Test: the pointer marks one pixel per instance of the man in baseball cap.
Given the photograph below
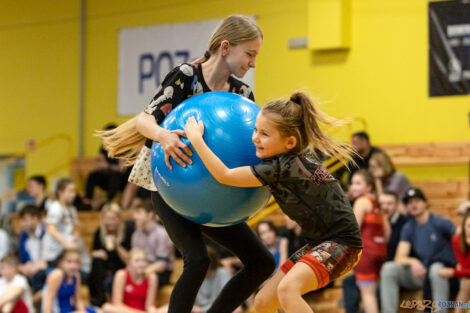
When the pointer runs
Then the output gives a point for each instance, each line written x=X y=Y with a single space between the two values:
x=413 y=193
x=429 y=236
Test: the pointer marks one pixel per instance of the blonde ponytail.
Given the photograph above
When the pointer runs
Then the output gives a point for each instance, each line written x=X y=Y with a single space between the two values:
x=123 y=142
x=299 y=117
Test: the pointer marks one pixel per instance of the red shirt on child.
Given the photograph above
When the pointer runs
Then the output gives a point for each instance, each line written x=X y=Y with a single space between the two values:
x=135 y=294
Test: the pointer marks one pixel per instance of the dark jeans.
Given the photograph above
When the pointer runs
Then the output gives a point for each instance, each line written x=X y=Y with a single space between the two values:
x=351 y=294
x=187 y=236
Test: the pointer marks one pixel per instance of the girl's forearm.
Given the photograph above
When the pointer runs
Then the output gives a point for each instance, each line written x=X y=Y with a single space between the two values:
x=214 y=165
x=147 y=126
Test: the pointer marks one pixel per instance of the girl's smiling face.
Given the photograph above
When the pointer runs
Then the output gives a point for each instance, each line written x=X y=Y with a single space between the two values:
x=240 y=58
x=268 y=140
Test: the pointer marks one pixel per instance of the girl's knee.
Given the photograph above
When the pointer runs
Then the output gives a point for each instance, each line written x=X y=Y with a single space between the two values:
x=261 y=302
x=285 y=290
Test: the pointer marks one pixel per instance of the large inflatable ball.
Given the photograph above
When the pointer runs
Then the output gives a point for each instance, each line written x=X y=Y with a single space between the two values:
x=192 y=192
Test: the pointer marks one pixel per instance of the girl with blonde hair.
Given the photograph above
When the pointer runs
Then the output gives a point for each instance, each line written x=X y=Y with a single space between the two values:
x=232 y=51
x=110 y=251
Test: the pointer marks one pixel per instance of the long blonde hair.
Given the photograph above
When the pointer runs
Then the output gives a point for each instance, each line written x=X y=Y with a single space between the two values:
x=125 y=141
x=115 y=209
x=299 y=117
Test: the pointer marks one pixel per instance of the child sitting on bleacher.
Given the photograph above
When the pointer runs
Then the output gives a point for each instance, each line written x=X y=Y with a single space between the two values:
x=278 y=246
x=31 y=254
x=62 y=221
x=375 y=231
x=133 y=291
x=61 y=293
x=151 y=236
x=216 y=278
x=15 y=295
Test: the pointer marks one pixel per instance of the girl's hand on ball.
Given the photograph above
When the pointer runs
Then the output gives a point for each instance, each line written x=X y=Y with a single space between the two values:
x=174 y=147
x=193 y=129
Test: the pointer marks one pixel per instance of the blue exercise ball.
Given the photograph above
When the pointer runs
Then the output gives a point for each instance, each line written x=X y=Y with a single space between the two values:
x=192 y=192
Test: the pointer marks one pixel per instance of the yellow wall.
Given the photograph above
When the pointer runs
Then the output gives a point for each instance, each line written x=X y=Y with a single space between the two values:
x=382 y=78
x=38 y=78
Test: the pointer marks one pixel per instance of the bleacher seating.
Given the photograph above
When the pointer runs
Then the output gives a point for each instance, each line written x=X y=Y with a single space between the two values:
x=443 y=198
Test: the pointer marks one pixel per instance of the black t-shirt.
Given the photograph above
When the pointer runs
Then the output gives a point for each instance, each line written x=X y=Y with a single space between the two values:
x=310 y=196
x=114 y=262
x=181 y=83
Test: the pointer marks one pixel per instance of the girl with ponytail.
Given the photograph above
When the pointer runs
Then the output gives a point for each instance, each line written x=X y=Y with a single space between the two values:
x=287 y=135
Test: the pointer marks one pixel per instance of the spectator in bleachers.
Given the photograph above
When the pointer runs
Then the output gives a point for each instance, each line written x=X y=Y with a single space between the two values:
x=228 y=260
x=31 y=241
x=4 y=243
x=216 y=278
x=464 y=207
x=133 y=290
x=375 y=230
x=15 y=295
x=277 y=245
x=461 y=246
x=389 y=203
x=62 y=221
x=111 y=244
x=151 y=236
x=36 y=188
x=107 y=175
x=361 y=144
x=429 y=235
x=386 y=176
x=61 y=293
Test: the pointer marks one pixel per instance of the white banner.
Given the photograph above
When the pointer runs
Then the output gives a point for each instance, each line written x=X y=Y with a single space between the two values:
x=147 y=54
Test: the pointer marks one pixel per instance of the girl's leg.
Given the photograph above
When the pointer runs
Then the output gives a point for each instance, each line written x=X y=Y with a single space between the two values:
x=187 y=238
x=297 y=282
x=464 y=293
x=266 y=300
x=258 y=264
x=369 y=299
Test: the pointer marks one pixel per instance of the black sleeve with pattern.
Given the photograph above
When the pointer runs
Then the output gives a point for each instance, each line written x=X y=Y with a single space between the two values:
x=267 y=172
x=171 y=92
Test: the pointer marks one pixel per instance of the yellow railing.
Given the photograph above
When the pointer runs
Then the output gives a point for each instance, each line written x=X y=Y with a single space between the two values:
x=41 y=144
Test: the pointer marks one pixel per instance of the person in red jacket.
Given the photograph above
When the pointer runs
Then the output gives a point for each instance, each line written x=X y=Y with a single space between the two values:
x=461 y=245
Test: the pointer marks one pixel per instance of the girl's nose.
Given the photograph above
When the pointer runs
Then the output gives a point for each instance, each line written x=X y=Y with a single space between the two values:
x=252 y=62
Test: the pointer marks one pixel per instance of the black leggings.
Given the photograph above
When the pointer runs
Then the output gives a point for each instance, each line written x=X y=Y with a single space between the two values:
x=258 y=262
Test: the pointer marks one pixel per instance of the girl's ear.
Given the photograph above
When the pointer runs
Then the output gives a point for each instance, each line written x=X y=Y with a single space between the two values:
x=291 y=142
x=224 y=45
